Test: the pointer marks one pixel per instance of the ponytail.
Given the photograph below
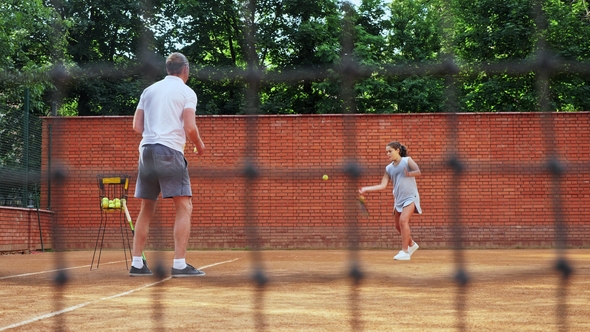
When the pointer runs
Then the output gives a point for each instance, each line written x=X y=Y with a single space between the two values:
x=403 y=151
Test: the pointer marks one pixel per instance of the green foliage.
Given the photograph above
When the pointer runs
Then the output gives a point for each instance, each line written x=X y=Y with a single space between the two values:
x=309 y=40
x=103 y=45
x=415 y=33
x=111 y=34
x=494 y=32
x=32 y=38
x=212 y=35
x=567 y=34
x=499 y=93
x=408 y=35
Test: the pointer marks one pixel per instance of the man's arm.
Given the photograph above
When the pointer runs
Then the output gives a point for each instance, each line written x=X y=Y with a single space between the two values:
x=138 y=121
x=191 y=130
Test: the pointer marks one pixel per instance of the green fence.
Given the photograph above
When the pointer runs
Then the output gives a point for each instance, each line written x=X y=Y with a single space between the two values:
x=20 y=155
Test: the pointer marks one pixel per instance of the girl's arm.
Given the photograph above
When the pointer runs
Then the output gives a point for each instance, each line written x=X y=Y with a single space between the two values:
x=413 y=170
x=381 y=186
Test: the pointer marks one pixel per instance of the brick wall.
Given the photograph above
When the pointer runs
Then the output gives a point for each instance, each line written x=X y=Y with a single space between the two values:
x=505 y=196
x=19 y=229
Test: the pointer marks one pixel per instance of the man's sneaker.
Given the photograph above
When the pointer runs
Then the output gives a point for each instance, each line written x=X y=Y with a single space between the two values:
x=413 y=248
x=144 y=271
x=402 y=256
x=188 y=271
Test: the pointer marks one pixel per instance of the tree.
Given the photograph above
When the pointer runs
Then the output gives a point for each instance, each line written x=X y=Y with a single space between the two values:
x=110 y=41
x=406 y=36
x=568 y=36
x=107 y=40
x=288 y=36
x=307 y=40
x=211 y=35
x=495 y=32
x=31 y=39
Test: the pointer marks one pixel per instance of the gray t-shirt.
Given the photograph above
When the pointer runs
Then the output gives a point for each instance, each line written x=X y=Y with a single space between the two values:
x=405 y=190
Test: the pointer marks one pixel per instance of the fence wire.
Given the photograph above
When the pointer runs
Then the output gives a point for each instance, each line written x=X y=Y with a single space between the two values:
x=20 y=158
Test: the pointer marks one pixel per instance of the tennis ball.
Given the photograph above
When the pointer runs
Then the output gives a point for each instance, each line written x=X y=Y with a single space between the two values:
x=105 y=203
x=195 y=149
x=325 y=177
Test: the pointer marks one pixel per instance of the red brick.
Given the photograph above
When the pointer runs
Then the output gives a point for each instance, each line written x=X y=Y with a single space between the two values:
x=504 y=183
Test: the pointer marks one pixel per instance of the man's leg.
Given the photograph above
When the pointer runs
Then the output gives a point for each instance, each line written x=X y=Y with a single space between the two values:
x=182 y=231
x=142 y=225
x=142 y=228
x=182 y=225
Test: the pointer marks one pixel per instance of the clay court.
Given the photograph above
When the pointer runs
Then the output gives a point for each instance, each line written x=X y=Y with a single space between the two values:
x=508 y=290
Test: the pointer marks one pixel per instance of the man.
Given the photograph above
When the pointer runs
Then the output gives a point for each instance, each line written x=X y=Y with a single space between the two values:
x=165 y=117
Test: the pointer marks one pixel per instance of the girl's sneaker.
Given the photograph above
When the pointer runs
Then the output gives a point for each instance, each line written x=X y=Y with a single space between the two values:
x=402 y=256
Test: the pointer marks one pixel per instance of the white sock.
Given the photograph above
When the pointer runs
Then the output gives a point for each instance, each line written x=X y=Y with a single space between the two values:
x=137 y=262
x=179 y=264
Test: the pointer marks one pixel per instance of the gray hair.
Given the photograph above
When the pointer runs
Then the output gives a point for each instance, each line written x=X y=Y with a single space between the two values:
x=175 y=63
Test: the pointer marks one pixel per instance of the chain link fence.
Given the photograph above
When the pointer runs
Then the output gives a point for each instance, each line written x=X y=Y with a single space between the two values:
x=20 y=161
x=20 y=156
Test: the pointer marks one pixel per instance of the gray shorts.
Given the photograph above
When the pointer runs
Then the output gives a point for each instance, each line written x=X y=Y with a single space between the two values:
x=162 y=169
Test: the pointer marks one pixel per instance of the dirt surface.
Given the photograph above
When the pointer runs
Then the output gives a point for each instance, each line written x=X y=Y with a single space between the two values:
x=508 y=290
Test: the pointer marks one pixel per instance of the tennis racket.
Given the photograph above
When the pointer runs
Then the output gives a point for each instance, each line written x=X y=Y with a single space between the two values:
x=363 y=205
x=124 y=204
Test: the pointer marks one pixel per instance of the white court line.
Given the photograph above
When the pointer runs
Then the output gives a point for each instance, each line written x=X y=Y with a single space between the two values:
x=81 y=305
x=49 y=271
x=210 y=265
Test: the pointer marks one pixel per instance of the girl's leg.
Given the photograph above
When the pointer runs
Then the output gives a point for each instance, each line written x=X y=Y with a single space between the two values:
x=404 y=224
x=396 y=218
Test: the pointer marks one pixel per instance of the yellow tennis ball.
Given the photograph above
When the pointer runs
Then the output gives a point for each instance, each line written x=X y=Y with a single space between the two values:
x=325 y=177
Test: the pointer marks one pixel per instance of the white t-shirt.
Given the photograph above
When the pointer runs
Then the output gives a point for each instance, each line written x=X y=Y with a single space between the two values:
x=163 y=103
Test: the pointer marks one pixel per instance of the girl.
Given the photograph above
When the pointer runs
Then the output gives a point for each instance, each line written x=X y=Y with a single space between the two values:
x=402 y=172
